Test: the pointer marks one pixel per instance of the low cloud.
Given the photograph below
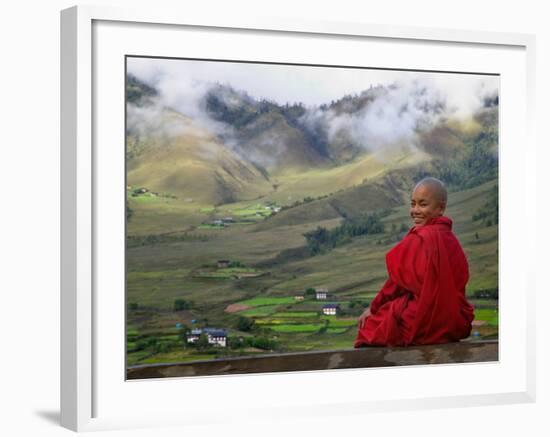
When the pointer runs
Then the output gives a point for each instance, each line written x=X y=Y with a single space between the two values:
x=392 y=115
x=397 y=109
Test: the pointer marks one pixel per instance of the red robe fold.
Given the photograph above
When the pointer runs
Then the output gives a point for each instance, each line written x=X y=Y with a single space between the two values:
x=423 y=301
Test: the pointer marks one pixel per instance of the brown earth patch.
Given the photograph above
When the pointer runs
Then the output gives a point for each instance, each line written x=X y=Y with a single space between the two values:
x=236 y=307
x=479 y=322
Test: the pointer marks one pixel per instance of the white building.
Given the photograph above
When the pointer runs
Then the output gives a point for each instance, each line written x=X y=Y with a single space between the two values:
x=193 y=336
x=214 y=335
x=330 y=309
x=321 y=293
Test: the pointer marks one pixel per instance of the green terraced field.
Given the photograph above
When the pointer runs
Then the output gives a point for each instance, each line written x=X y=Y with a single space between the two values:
x=261 y=301
x=292 y=314
x=296 y=328
x=160 y=273
x=488 y=315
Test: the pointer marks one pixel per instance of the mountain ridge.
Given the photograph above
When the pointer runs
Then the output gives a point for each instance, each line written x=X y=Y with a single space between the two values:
x=265 y=149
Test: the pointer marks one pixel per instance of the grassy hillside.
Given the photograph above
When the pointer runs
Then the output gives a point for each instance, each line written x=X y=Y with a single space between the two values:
x=372 y=182
x=160 y=273
x=192 y=164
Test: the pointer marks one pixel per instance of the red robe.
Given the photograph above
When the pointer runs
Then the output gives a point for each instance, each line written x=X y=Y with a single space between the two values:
x=423 y=301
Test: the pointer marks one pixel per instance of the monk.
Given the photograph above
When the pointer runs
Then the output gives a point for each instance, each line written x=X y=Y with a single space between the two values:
x=423 y=301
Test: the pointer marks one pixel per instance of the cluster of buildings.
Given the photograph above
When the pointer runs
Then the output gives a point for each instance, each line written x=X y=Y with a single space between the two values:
x=218 y=336
x=330 y=309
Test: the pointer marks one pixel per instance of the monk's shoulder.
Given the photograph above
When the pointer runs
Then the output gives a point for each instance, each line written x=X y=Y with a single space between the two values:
x=410 y=254
x=424 y=238
x=427 y=232
x=439 y=235
x=415 y=234
x=412 y=238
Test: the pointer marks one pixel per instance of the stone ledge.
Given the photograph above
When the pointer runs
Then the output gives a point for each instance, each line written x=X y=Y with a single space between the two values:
x=461 y=352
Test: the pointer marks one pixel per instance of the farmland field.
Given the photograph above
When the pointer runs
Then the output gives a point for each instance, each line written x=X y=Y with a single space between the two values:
x=160 y=273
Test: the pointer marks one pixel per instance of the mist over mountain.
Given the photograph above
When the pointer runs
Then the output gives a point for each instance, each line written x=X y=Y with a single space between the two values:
x=459 y=144
x=336 y=132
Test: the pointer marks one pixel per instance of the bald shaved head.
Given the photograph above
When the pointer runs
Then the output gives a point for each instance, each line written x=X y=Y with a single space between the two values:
x=428 y=200
x=436 y=186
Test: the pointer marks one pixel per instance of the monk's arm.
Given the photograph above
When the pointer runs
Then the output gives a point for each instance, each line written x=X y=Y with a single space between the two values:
x=407 y=264
x=404 y=264
x=389 y=291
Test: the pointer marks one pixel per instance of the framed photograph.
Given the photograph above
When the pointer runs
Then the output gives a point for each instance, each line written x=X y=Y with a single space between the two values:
x=246 y=207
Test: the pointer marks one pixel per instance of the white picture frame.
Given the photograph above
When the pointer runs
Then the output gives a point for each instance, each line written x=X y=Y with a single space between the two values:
x=94 y=394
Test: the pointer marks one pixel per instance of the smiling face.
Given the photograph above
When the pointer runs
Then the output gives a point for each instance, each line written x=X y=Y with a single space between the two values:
x=425 y=204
